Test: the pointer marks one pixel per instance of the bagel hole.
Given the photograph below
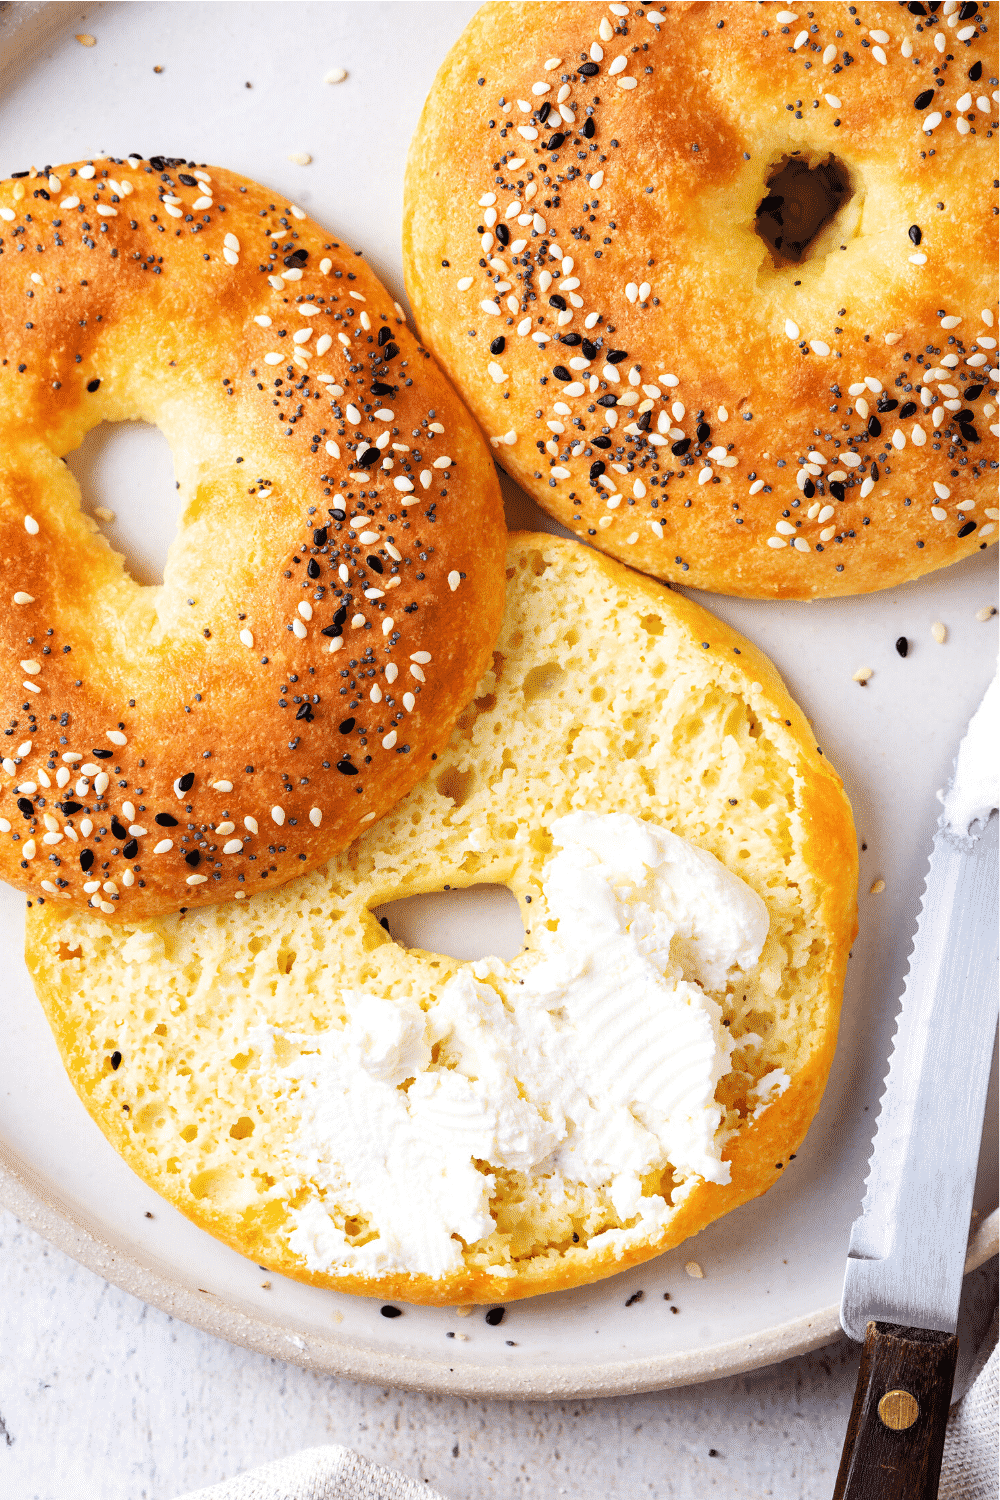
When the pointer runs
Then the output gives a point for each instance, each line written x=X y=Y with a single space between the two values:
x=126 y=470
x=478 y=921
x=800 y=201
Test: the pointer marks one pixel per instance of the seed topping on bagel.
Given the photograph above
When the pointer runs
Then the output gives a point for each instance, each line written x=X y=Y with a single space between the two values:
x=340 y=578
x=633 y=413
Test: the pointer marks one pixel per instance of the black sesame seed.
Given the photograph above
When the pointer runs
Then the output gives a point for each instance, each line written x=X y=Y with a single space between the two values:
x=193 y=858
x=495 y=1316
x=588 y=129
x=346 y=769
x=369 y=456
x=561 y=372
x=702 y=431
x=165 y=820
x=92 y=385
x=601 y=442
x=498 y=345
x=915 y=234
x=976 y=72
x=597 y=468
x=384 y=335
x=886 y=403
x=680 y=447
x=320 y=536
x=347 y=726
x=69 y=808
x=967 y=529
x=907 y=409
x=503 y=234
x=185 y=782
x=131 y=849
x=391 y=1312
x=874 y=426
x=556 y=301
x=615 y=356
x=117 y=829
x=971 y=392
x=86 y=859
x=116 y=1060
x=837 y=489
x=587 y=70
x=25 y=807
x=902 y=645
x=922 y=100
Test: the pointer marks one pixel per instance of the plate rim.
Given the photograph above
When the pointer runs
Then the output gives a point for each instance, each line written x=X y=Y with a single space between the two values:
x=22 y=1194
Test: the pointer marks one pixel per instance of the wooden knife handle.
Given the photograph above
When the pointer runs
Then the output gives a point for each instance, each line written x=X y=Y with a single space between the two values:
x=895 y=1437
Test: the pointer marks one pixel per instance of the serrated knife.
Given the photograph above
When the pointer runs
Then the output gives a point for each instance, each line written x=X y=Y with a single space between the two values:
x=907 y=1249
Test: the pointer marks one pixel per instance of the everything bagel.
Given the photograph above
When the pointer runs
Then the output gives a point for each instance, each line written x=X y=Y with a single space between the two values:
x=337 y=583
x=719 y=280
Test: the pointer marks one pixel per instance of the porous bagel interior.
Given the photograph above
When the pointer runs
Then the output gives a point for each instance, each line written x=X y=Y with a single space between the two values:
x=583 y=199
x=337 y=580
x=607 y=693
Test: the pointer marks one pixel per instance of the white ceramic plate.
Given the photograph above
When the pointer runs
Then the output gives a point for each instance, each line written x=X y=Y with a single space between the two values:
x=773 y=1269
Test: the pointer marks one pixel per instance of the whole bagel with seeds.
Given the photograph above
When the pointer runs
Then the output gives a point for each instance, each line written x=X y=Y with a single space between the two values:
x=337 y=582
x=719 y=281
x=399 y=1123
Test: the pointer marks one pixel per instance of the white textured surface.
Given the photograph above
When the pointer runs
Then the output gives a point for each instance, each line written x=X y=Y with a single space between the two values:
x=104 y=1399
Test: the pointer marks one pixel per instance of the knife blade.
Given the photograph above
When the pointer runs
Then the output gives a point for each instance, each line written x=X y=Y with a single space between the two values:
x=906 y=1256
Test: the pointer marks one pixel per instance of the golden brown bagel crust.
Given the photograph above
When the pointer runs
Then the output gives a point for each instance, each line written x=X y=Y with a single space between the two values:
x=216 y=699
x=656 y=210
x=607 y=693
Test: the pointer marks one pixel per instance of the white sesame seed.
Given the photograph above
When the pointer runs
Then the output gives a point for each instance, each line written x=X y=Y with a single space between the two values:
x=966 y=33
x=792 y=329
x=618 y=66
x=233 y=846
x=785 y=528
x=305 y=609
x=867 y=485
x=950 y=322
x=829 y=53
x=786 y=17
x=163 y=847
x=418 y=672
x=832 y=100
x=932 y=121
x=597 y=180
x=818 y=347
x=299 y=630
x=918 y=436
x=20 y=598
x=191 y=880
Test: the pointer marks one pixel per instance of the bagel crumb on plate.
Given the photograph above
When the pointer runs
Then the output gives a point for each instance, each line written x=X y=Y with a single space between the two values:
x=719 y=281
x=337 y=580
x=198 y=1041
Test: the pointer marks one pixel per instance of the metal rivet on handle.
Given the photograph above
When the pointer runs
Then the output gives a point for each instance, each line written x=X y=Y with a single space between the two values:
x=898 y=1410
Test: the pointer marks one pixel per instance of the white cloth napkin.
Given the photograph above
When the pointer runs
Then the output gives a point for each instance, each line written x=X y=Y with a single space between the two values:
x=971 y=1456
x=328 y=1473
x=968 y=1472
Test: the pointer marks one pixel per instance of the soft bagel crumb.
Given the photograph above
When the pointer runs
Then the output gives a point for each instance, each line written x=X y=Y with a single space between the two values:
x=608 y=693
x=599 y=214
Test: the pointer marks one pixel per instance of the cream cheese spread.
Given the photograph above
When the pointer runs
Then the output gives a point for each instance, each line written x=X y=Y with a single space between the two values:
x=596 y=1061
x=975 y=788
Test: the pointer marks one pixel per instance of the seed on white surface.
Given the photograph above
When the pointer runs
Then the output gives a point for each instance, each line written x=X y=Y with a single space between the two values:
x=86 y=40
x=863 y=674
x=939 y=632
x=876 y=888
x=300 y=158
x=693 y=1269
